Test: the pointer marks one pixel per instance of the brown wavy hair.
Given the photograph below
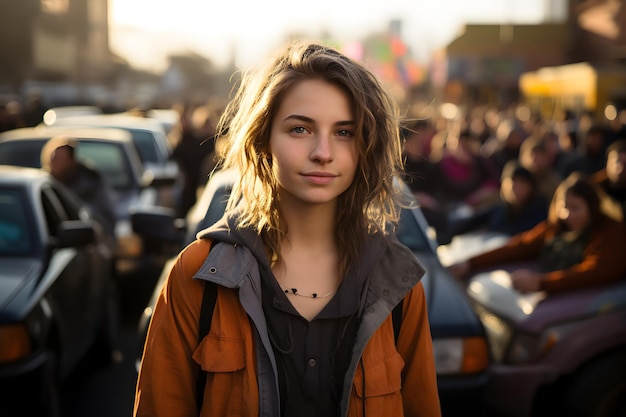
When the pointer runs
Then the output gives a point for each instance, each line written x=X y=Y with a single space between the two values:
x=370 y=204
x=581 y=186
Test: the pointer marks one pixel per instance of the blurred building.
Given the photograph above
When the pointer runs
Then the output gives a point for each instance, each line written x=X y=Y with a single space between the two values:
x=594 y=75
x=54 y=41
x=485 y=63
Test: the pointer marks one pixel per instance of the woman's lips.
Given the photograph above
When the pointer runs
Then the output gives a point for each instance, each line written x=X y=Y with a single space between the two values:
x=319 y=178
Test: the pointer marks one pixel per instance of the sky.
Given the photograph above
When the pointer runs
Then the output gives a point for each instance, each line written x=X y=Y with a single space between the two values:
x=145 y=31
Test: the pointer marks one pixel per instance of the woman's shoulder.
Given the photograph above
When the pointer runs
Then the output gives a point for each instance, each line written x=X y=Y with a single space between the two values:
x=192 y=257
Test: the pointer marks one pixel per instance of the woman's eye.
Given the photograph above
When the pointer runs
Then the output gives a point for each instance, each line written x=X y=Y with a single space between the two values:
x=299 y=130
x=345 y=133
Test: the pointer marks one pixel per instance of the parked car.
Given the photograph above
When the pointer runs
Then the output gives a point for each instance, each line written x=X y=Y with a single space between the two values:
x=58 y=300
x=149 y=138
x=53 y=114
x=112 y=153
x=559 y=355
x=167 y=117
x=459 y=340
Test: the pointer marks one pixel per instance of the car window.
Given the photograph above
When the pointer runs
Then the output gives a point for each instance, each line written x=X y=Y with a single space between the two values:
x=21 y=153
x=17 y=234
x=110 y=160
x=146 y=145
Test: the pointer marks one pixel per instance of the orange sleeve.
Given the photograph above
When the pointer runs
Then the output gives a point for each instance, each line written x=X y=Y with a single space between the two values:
x=419 y=377
x=166 y=381
x=603 y=262
x=521 y=247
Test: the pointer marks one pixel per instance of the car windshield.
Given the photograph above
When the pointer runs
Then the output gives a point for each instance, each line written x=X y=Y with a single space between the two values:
x=146 y=145
x=16 y=228
x=110 y=160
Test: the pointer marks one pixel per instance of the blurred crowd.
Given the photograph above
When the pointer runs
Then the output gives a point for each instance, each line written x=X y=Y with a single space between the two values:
x=16 y=113
x=492 y=170
x=484 y=168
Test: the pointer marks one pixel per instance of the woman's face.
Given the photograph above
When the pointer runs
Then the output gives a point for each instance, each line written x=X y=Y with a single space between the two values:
x=516 y=190
x=312 y=143
x=574 y=211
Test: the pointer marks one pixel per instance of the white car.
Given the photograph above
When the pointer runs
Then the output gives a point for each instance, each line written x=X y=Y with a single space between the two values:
x=150 y=139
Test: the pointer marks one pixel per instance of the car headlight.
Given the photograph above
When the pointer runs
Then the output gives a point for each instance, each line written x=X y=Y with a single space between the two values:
x=14 y=342
x=18 y=340
x=498 y=331
x=526 y=347
x=523 y=348
x=460 y=355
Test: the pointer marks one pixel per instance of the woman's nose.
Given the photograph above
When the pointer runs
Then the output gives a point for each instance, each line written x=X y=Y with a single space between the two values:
x=322 y=149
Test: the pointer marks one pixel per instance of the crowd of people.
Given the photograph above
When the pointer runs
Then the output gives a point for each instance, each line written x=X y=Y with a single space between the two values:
x=557 y=188
x=499 y=173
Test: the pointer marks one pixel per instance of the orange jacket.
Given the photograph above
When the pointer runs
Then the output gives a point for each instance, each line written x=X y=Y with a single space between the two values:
x=400 y=379
x=603 y=257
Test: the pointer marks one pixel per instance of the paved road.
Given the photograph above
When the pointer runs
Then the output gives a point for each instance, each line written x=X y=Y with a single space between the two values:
x=108 y=391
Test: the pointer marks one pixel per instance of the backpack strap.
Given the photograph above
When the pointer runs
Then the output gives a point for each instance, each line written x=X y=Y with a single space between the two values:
x=209 y=298
x=396 y=317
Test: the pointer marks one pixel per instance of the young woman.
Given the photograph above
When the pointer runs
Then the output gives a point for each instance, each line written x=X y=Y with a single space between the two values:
x=577 y=246
x=306 y=268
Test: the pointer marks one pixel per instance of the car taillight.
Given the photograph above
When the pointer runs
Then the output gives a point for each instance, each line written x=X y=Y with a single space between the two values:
x=460 y=355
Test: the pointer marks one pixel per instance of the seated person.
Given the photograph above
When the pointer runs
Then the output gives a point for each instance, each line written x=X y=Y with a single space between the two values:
x=612 y=179
x=522 y=206
x=58 y=157
x=591 y=152
x=470 y=178
x=536 y=157
x=577 y=246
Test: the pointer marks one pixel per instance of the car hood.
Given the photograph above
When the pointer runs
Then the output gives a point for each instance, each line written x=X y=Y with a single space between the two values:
x=449 y=312
x=15 y=274
x=534 y=312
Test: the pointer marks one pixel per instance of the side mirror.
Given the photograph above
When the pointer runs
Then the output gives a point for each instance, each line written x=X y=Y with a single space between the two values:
x=157 y=223
x=74 y=233
x=159 y=177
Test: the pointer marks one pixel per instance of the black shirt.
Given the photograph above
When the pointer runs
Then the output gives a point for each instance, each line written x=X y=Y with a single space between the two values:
x=312 y=357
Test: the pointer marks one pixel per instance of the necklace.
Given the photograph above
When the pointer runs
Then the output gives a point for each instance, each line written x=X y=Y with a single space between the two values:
x=294 y=291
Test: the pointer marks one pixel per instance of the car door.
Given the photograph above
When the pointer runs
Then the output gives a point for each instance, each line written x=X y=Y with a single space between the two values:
x=77 y=289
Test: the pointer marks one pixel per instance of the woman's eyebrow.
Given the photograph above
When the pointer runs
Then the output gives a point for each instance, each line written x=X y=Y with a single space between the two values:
x=298 y=117
x=310 y=120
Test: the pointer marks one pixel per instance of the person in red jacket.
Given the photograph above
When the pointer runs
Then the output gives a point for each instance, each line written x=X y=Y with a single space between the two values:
x=307 y=268
x=577 y=246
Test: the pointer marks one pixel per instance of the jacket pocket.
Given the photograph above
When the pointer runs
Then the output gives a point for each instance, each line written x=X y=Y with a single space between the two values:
x=220 y=354
x=381 y=378
x=223 y=360
x=379 y=389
